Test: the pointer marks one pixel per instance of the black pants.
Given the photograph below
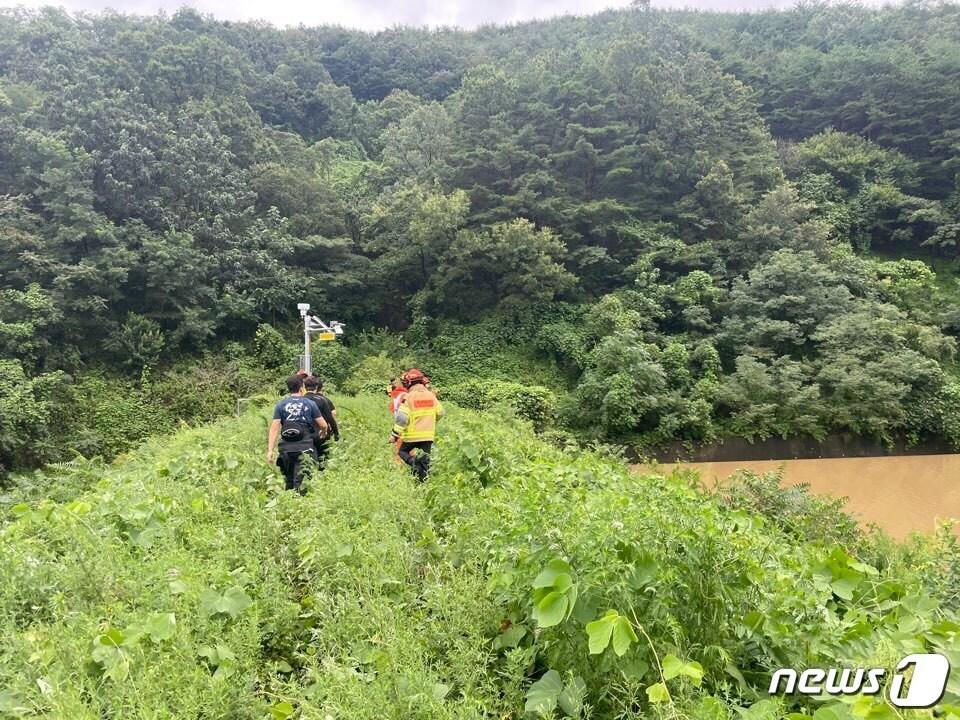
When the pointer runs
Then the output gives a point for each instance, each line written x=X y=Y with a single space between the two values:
x=322 y=449
x=419 y=462
x=291 y=463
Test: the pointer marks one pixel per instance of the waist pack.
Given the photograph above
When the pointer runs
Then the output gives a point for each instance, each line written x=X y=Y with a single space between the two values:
x=294 y=437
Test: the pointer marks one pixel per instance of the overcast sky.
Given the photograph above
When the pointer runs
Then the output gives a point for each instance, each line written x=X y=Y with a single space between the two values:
x=378 y=14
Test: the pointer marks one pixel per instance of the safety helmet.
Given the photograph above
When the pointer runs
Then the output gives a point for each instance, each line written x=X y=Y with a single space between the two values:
x=412 y=377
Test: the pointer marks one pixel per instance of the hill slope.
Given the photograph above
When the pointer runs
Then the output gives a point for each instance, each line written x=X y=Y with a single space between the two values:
x=181 y=582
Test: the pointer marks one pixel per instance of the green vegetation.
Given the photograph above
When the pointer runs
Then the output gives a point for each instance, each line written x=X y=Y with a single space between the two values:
x=641 y=225
x=670 y=220
x=520 y=581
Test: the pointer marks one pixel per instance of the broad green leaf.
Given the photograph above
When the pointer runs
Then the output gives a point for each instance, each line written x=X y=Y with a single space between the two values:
x=623 y=636
x=511 y=637
x=20 y=509
x=107 y=653
x=551 y=610
x=221 y=658
x=571 y=600
x=643 y=572
x=113 y=636
x=711 y=708
x=549 y=574
x=235 y=601
x=282 y=711
x=543 y=695
x=633 y=667
x=658 y=693
x=694 y=671
x=600 y=631
x=671 y=666
x=440 y=691
x=864 y=568
x=209 y=602
x=571 y=699
x=754 y=620
x=562 y=582
x=834 y=711
x=845 y=582
x=78 y=507
x=872 y=709
x=161 y=627
x=178 y=587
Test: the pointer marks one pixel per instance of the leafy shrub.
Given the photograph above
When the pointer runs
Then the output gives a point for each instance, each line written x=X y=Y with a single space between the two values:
x=636 y=593
x=332 y=362
x=950 y=412
x=530 y=402
x=137 y=343
x=31 y=416
x=206 y=390
x=372 y=374
x=270 y=349
x=801 y=514
x=381 y=342
x=109 y=416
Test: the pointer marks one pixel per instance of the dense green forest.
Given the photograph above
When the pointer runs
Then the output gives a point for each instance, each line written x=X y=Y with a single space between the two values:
x=681 y=225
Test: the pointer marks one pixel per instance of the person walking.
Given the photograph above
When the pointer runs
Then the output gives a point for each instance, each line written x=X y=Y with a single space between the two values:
x=296 y=422
x=415 y=423
x=314 y=391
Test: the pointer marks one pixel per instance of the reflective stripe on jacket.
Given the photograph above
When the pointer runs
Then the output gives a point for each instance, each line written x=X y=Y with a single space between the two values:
x=416 y=417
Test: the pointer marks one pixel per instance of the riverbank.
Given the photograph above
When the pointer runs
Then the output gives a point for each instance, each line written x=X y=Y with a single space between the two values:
x=901 y=494
x=836 y=445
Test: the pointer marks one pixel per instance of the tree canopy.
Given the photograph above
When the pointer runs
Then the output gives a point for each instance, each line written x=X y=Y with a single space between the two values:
x=724 y=199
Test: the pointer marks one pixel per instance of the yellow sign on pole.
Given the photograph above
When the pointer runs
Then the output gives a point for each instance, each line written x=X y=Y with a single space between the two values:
x=327 y=336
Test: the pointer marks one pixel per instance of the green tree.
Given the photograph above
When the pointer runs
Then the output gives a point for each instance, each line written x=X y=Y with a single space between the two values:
x=508 y=264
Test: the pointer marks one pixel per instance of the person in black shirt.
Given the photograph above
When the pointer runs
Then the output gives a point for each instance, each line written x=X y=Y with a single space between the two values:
x=296 y=422
x=314 y=391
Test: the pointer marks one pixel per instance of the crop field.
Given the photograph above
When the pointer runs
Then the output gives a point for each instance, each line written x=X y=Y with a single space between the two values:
x=522 y=580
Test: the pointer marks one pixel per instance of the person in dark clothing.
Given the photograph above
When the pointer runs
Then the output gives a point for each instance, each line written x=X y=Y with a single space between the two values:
x=314 y=391
x=296 y=422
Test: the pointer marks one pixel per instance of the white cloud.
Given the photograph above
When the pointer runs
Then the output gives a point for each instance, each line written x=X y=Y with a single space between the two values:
x=363 y=14
x=379 y=14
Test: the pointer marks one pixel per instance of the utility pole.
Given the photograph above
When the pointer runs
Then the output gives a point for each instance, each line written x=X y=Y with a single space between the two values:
x=313 y=324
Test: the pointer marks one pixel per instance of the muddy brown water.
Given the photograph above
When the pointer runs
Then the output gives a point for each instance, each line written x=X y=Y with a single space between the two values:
x=901 y=494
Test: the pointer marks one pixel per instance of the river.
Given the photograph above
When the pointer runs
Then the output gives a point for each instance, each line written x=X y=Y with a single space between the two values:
x=900 y=493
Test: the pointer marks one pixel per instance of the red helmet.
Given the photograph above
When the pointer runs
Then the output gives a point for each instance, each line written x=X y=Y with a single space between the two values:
x=413 y=376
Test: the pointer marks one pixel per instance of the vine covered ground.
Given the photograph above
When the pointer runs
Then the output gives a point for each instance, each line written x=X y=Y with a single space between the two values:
x=523 y=580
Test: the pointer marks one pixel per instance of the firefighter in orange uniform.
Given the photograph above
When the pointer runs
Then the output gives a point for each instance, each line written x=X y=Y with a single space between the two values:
x=415 y=422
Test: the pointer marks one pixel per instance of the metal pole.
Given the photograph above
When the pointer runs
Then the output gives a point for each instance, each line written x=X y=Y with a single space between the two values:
x=306 y=344
x=304 y=309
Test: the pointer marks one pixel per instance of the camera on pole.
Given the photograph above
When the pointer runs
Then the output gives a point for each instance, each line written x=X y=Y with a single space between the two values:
x=326 y=331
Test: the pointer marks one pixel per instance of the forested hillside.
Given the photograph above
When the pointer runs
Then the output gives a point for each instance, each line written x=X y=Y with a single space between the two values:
x=687 y=225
